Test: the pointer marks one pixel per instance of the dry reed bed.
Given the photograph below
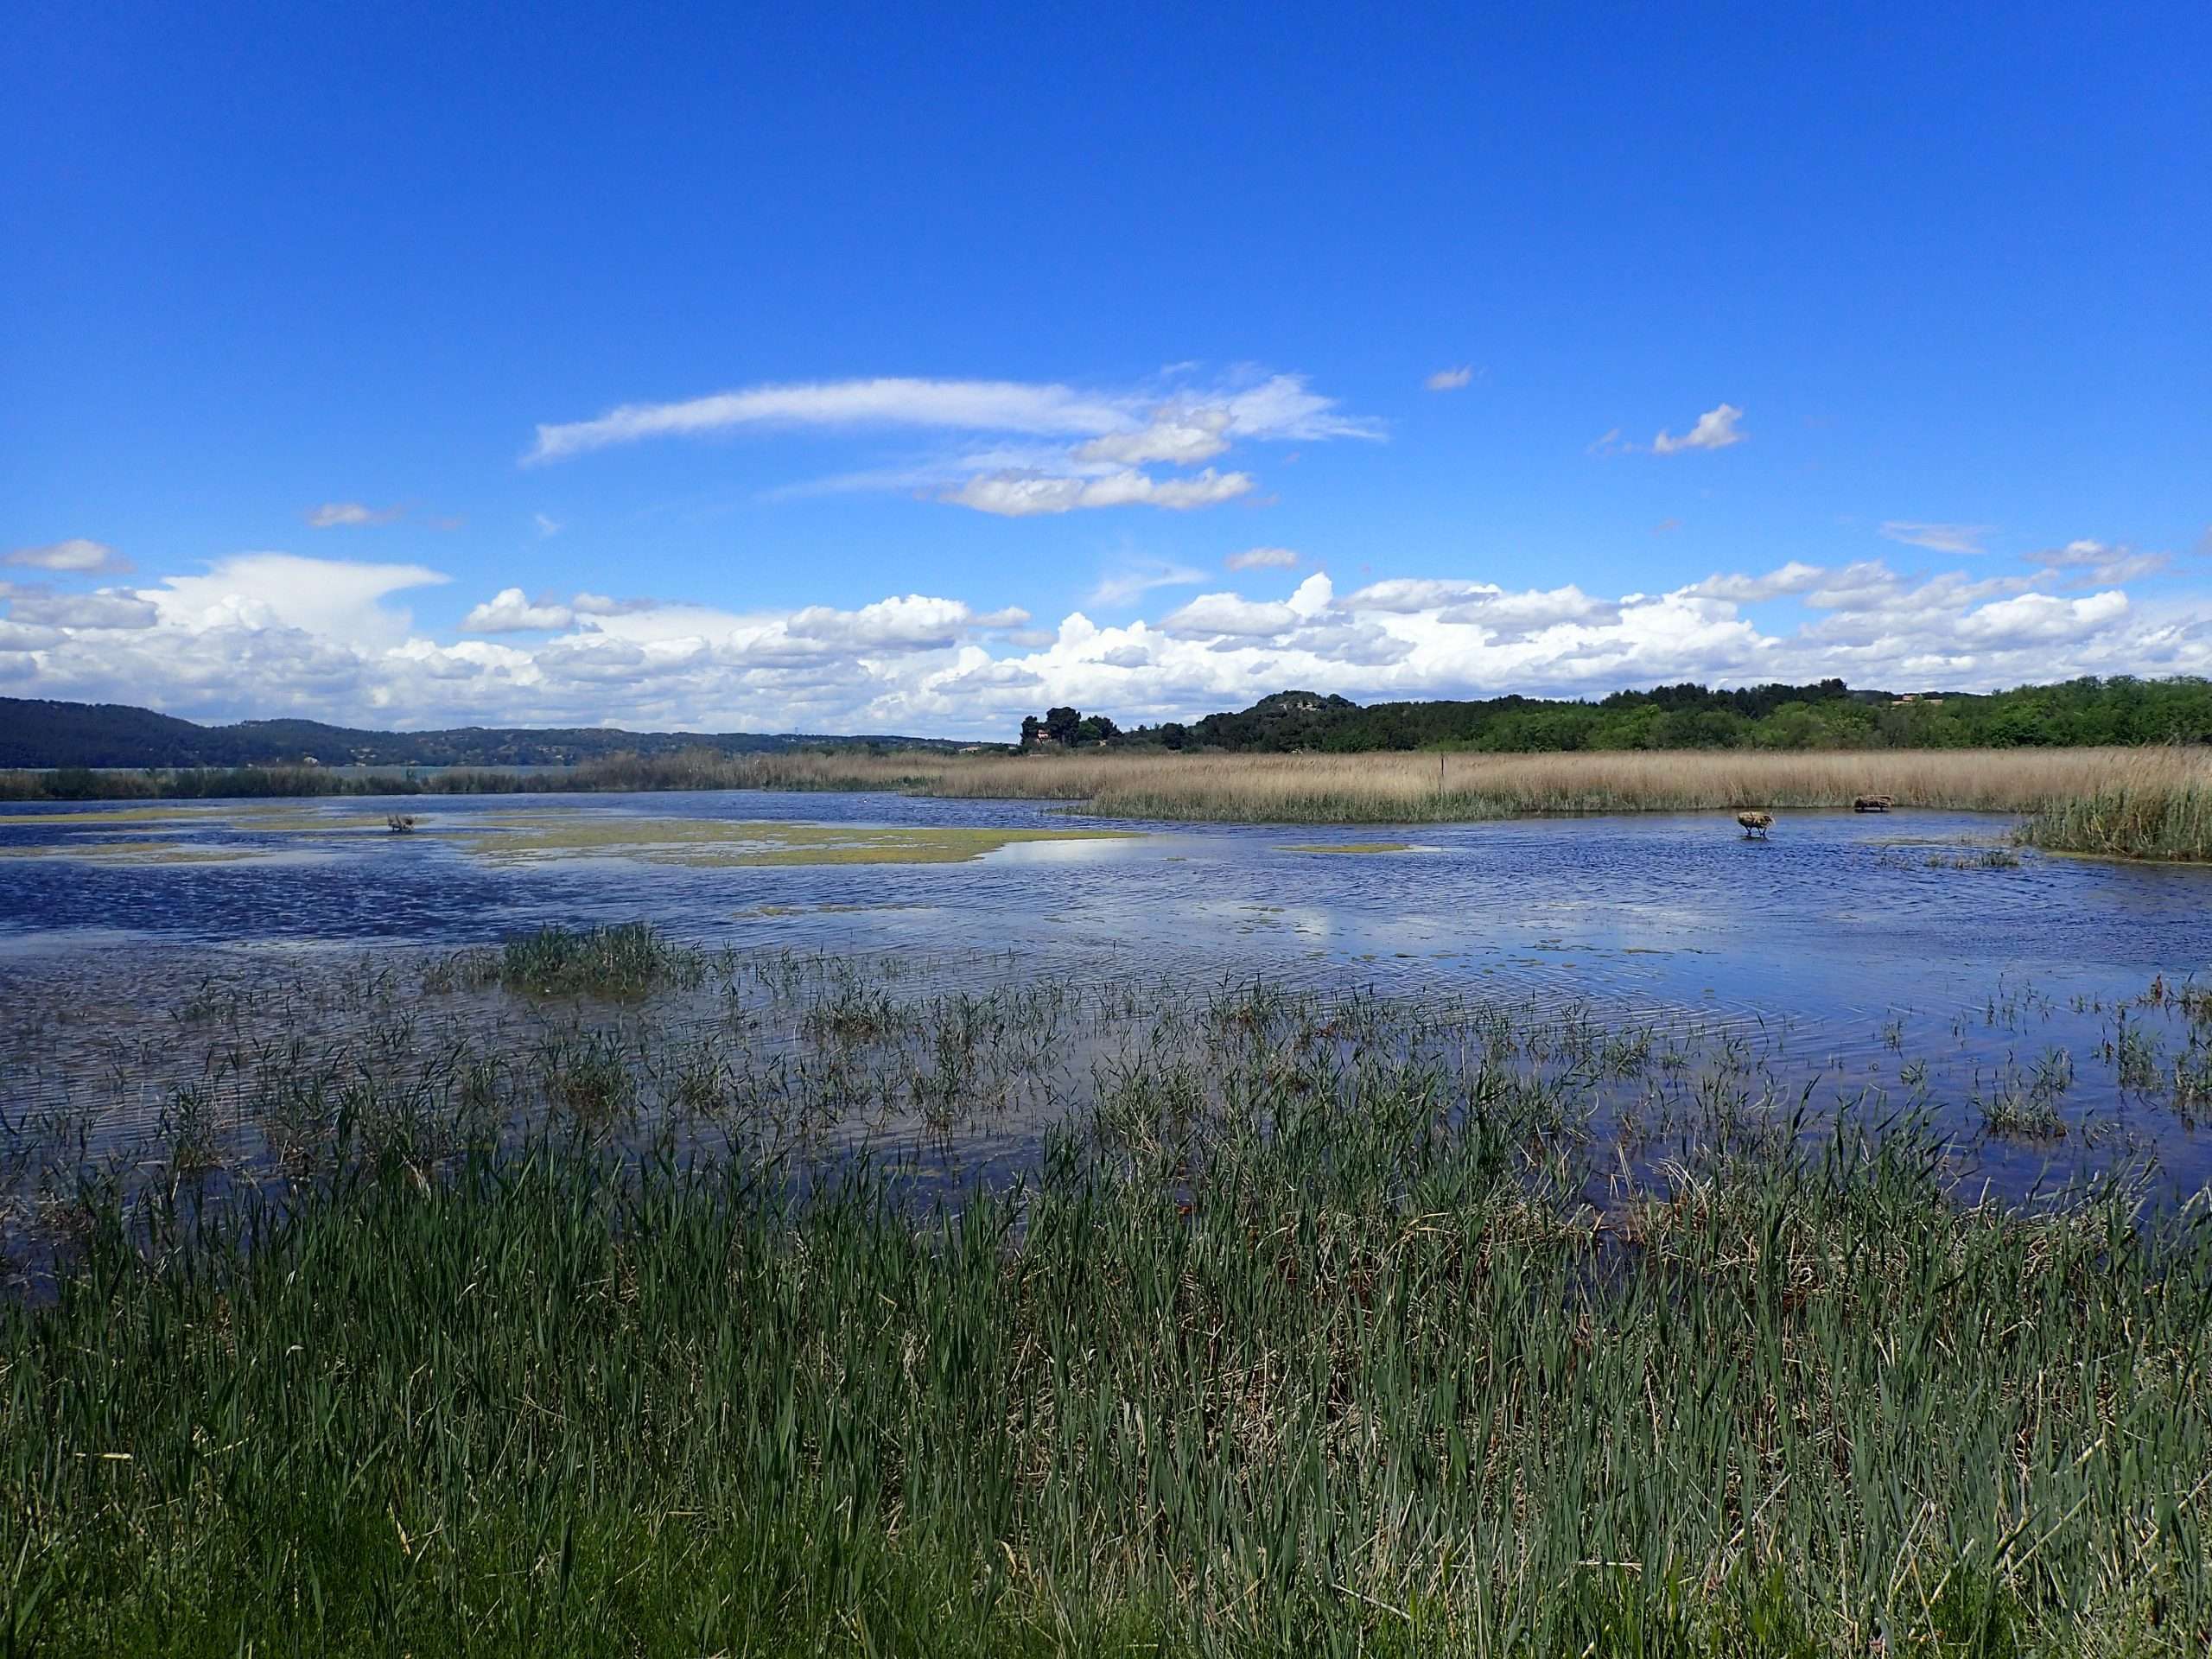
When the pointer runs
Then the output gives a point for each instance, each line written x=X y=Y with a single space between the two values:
x=1415 y=788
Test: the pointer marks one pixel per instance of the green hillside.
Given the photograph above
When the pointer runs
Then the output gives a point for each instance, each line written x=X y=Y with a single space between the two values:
x=38 y=733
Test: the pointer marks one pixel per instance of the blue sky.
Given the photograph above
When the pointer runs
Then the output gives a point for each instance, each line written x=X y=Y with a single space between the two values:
x=844 y=371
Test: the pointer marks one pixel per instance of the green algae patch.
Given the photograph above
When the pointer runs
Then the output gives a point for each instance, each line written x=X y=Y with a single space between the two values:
x=545 y=837
x=131 y=852
x=100 y=816
x=1351 y=847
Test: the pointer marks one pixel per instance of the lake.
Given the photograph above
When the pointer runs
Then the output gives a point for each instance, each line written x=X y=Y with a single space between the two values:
x=2036 y=1005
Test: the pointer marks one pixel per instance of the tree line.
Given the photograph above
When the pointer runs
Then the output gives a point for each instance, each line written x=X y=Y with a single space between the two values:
x=1824 y=715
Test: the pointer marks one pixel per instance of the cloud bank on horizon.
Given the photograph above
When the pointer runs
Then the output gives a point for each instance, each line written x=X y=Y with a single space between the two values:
x=272 y=633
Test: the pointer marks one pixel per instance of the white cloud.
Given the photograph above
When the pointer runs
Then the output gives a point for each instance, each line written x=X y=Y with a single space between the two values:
x=1118 y=587
x=2039 y=618
x=964 y=405
x=1313 y=595
x=1942 y=538
x=1263 y=558
x=333 y=598
x=1101 y=441
x=546 y=526
x=25 y=637
x=1506 y=617
x=1449 y=379
x=509 y=611
x=1410 y=593
x=1278 y=407
x=263 y=634
x=107 y=608
x=78 y=555
x=1715 y=430
x=1791 y=578
x=2087 y=563
x=1211 y=615
x=915 y=622
x=1021 y=495
x=1182 y=436
x=332 y=515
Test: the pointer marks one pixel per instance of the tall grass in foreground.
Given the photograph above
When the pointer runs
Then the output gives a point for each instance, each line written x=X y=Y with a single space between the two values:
x=2152 y=808
x=1322 y=1367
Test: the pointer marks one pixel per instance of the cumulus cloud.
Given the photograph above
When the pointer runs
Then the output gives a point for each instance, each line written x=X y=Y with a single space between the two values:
x=1715 y=430
x=914 y=622
x=1211 y=615
x=2040 y=618
x=1410 y=593
x=1263 y=558
x=1940 y=538
x=334 y=515
x=28 y=637
x=1791 y=578
x=78 y=556
x=1449 y=379
x=104 y=609
x=1022 y=495
x=274 y=633
x=1506 y=617
x=509 y=611
x=333 y=599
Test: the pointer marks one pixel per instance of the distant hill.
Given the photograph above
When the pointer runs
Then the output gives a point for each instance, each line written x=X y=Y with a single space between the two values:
x=40 y=734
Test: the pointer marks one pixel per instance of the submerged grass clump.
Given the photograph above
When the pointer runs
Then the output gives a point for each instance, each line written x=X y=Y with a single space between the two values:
x=623 y=959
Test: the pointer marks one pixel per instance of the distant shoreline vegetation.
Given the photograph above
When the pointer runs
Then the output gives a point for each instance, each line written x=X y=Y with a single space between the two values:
x=2121 y=768
x=2088 y=712
x=2152 y=801
x=39 y=736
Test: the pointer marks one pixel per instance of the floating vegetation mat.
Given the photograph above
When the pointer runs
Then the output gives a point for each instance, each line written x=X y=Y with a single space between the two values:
x=210 y=834
x=526 y=837
x=101 y=850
